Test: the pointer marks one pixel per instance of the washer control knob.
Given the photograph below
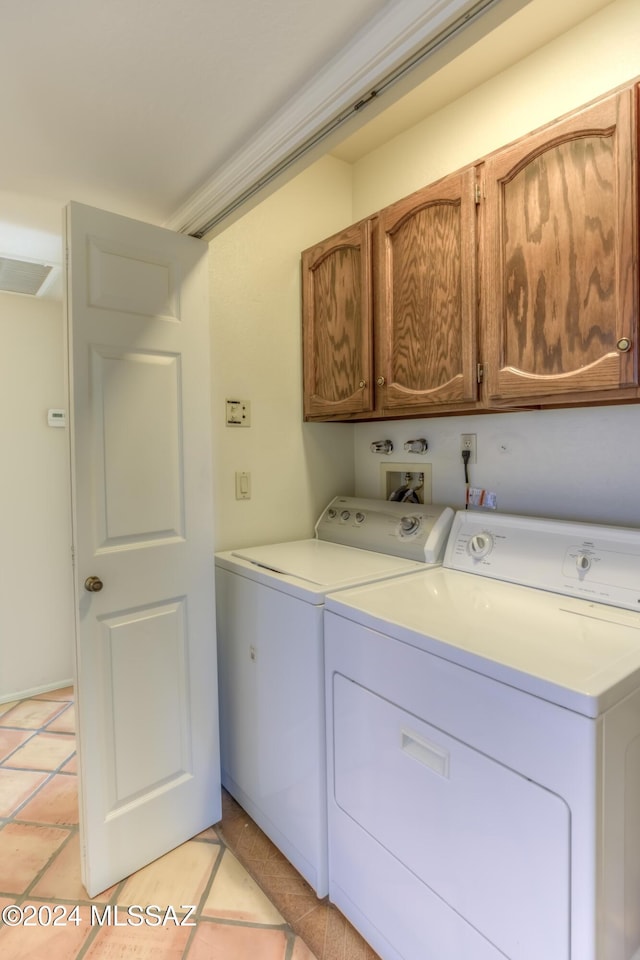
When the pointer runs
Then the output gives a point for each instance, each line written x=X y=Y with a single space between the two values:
x=409 y=525
x=583 y=562
x=359 y=517
x=345 y=514
x=480 y=545
x=331 y=513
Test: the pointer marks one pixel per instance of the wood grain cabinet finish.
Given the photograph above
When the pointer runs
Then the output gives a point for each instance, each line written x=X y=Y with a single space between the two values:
x=337 y=325
x=560 y=261
x=425 y=330
x=543 y=234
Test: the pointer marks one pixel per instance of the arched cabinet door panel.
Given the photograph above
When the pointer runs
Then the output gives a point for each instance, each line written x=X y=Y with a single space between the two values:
x=426 y=297
x=337 y=324
x=560 y=249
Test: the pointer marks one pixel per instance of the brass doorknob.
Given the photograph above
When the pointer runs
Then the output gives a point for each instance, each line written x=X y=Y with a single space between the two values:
x=624 y=344
x=93 y=584
x=380 y=381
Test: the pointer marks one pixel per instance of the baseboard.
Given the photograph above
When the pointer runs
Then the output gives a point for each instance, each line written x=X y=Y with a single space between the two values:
x=34 y=691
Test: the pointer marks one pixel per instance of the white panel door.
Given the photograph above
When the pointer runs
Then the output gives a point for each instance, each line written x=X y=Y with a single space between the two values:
x=138 y=332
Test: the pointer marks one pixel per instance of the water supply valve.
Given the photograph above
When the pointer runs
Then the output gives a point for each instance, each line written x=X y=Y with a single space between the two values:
x=417 y=446
x=382 y=446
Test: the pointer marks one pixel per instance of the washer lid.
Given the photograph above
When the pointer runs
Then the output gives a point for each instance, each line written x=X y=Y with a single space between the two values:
x=325 y=565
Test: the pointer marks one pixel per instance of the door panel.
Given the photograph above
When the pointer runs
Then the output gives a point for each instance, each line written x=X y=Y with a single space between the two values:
x=560 y=258
x=142 y=523
x=426 y=323
x=337 y=324
x=145 y=663
x=132 y=280
x=139 y=472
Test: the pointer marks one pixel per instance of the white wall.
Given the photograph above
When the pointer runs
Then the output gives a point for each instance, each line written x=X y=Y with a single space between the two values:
x=573 y=69
x=30 y=230
x=579 y=464
x=582 y=463
x=257 y=355
x=36 y=625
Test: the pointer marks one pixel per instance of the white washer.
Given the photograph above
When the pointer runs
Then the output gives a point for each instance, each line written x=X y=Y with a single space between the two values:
x=270 y=602
x=483 y=741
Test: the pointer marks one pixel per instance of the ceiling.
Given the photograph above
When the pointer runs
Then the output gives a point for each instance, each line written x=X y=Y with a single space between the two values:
x=137 y=106
x=131 y=104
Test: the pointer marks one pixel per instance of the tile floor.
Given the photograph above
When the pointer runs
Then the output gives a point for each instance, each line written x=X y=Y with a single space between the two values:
x=242 y=886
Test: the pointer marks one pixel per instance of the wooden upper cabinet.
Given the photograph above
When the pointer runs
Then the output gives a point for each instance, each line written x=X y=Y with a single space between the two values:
x=559 y=263
x=426 y=297
x=337 y=324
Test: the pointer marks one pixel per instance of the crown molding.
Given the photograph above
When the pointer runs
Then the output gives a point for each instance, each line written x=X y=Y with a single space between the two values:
x=390 y=41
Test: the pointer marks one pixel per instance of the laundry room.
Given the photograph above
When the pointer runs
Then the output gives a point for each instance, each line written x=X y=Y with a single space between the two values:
x=579 y=462
x=276 y=472
x=576 y=463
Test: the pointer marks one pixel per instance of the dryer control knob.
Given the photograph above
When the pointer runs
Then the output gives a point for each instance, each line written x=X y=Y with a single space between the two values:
x=583 y=562
x=480 y=545
x=409 y=525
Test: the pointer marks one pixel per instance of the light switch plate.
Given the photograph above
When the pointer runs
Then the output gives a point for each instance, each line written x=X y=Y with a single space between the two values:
x=238 y=413
x=243 y=485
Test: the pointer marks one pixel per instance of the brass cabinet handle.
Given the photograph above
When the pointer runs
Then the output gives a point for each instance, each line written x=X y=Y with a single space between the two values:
x=362 y=384
x=380 y=381
x=624 y=344
x=93 y=584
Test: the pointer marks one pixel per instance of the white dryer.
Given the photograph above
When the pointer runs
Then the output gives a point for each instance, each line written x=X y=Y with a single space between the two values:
x=484 y=747
x=270 y=603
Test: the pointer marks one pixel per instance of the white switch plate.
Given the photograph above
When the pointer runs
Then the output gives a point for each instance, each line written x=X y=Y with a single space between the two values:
x=238 y=413
x=57 y=418
x=243 y=485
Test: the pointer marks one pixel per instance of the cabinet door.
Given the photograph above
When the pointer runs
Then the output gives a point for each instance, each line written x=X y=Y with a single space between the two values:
x=559 y=259
x=426 y=322
x=337 y=324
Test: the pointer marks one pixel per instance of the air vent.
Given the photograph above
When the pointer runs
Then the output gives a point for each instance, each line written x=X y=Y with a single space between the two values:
x=20 y=276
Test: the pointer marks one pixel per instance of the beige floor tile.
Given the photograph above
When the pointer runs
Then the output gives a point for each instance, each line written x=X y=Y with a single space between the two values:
x=177 y=878
x=31 y=714
x=71 y=766
x=45 y=751
x=234 y=895
x=65 y=722
x=10 y=739
x=15 y=787
x=139 y=942
x=62 y=878
x=24 y=851
x=44 y=939
x=5 y=707
x=56 y=802
x=301 y=951
x=65 y=693
x=209 y=834
x=230 y=942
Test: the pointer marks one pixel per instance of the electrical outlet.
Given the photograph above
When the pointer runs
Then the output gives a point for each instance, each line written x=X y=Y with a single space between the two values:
x=468 y=442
